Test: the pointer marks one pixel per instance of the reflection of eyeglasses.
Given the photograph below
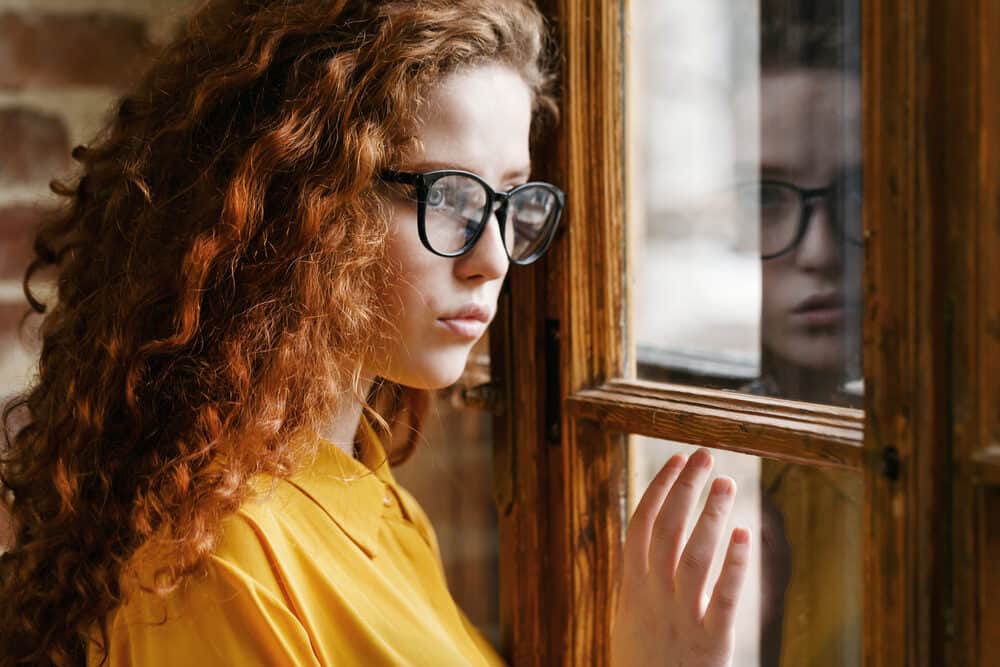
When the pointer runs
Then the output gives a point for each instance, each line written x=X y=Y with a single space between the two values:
x=786 y=209
x=454 y=207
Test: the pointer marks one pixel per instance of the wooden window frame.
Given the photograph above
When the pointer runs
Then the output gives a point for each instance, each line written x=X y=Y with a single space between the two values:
x=931 y=347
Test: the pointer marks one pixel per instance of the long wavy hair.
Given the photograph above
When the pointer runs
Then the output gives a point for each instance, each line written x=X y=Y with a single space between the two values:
x=219 y=265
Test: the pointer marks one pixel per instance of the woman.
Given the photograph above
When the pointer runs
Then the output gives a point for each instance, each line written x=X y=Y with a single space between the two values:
x=289 y=230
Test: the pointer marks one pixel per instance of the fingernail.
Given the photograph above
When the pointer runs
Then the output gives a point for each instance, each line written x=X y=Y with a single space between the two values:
x=702 y=458
x=741 y=536
x=723 y=486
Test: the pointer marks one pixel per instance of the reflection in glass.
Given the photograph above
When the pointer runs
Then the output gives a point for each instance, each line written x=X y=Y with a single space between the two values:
x=802 y=605
x=748 y=240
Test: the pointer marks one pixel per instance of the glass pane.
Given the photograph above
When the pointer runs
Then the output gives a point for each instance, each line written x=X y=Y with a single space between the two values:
x=803 y=602
x=451 y=475
x=746 y=169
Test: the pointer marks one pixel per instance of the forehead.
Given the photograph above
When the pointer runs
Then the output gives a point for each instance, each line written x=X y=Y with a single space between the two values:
x=477 y=119
x=810 y=122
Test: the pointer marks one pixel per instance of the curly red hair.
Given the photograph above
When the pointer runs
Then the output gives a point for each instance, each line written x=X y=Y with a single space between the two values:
x=220 y=262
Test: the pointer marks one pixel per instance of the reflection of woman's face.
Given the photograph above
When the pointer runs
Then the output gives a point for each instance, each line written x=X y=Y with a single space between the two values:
x=810 y=123
x=476 y=120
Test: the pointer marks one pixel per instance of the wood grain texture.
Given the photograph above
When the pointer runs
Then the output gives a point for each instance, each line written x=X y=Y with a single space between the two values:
x=590 y=462
x=987 y=133
x=902 y=340
x=780 y=430
x=963 y=158
x=519 y=482
x=987 y=615
x=931 y=133
x=833 y=415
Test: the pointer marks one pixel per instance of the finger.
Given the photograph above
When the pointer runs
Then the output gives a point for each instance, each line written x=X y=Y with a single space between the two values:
x=636 y=549
x=696 y=560
x=721 y=613
x=675 y=513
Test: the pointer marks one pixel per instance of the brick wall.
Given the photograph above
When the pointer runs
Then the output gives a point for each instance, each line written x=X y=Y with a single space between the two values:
x=62 y=64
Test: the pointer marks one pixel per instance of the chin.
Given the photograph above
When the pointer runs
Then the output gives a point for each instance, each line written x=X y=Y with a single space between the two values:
x=437 y=372
x=818 y=356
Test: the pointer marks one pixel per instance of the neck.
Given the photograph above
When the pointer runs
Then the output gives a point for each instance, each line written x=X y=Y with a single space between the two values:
x=342 y=427
x=802 y=383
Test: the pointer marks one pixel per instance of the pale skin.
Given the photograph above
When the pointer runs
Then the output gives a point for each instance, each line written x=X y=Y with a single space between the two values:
x=479 y=120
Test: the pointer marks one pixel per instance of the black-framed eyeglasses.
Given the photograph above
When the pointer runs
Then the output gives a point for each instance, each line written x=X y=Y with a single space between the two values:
x=785 y=211
x=454 y=207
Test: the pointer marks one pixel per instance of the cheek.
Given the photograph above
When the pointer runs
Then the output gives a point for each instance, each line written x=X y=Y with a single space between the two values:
x=414 y=285
x=777 y=280
x=409 y=262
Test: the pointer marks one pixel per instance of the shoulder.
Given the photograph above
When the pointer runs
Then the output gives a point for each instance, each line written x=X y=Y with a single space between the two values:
x=234 y=610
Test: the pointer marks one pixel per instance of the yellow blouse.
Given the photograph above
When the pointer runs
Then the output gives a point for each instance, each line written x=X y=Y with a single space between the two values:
x=822 y=512
x=338 y=565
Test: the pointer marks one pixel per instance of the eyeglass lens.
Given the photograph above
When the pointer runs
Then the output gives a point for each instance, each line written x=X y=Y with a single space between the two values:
x=781 y=209
x=455 y=212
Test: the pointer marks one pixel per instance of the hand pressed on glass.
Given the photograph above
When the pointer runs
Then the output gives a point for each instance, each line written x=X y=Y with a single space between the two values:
x=665 y=615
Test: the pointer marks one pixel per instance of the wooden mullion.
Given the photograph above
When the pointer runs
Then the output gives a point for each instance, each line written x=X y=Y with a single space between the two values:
x=984 y=616
x=597 y=505
x=968 y=204
x=587 y=469
x=916 y=81
x=984 y=18
x=775 y=437
x=838 y=417
x=891 y=100
x=520 y=483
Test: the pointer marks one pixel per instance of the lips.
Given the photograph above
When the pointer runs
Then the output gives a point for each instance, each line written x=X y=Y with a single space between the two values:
x=468 y=322
x=826 y=309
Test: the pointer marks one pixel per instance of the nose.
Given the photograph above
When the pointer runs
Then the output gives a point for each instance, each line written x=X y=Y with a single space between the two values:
x=817 y=251
x=487 y=260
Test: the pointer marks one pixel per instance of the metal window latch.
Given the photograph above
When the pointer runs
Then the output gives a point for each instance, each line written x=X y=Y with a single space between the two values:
x=891 y=463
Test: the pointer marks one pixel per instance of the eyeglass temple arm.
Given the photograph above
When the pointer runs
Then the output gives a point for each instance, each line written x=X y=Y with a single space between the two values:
x=405 y=177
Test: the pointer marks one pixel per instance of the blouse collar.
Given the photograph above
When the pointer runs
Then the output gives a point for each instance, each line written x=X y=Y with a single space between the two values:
x=350 y=491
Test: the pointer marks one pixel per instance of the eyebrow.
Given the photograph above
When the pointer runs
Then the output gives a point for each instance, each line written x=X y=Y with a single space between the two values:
x=433 y=165
x=768 y=170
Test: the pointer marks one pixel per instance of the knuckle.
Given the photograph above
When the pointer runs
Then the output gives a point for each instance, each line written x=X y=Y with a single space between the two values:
x=714 y=513
x=662 y=540
x=738 y=560
x=694 y=560
x=686 y=483
x=726 y=602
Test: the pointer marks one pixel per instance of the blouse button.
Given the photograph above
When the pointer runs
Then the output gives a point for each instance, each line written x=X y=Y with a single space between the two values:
x=387 y=500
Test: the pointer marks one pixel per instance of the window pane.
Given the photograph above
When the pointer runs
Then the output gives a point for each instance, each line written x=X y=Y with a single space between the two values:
x=451 y=475
x=803 y=602
x=746 y=170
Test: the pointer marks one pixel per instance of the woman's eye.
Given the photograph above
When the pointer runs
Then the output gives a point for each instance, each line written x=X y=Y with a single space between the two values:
x=435 y=197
